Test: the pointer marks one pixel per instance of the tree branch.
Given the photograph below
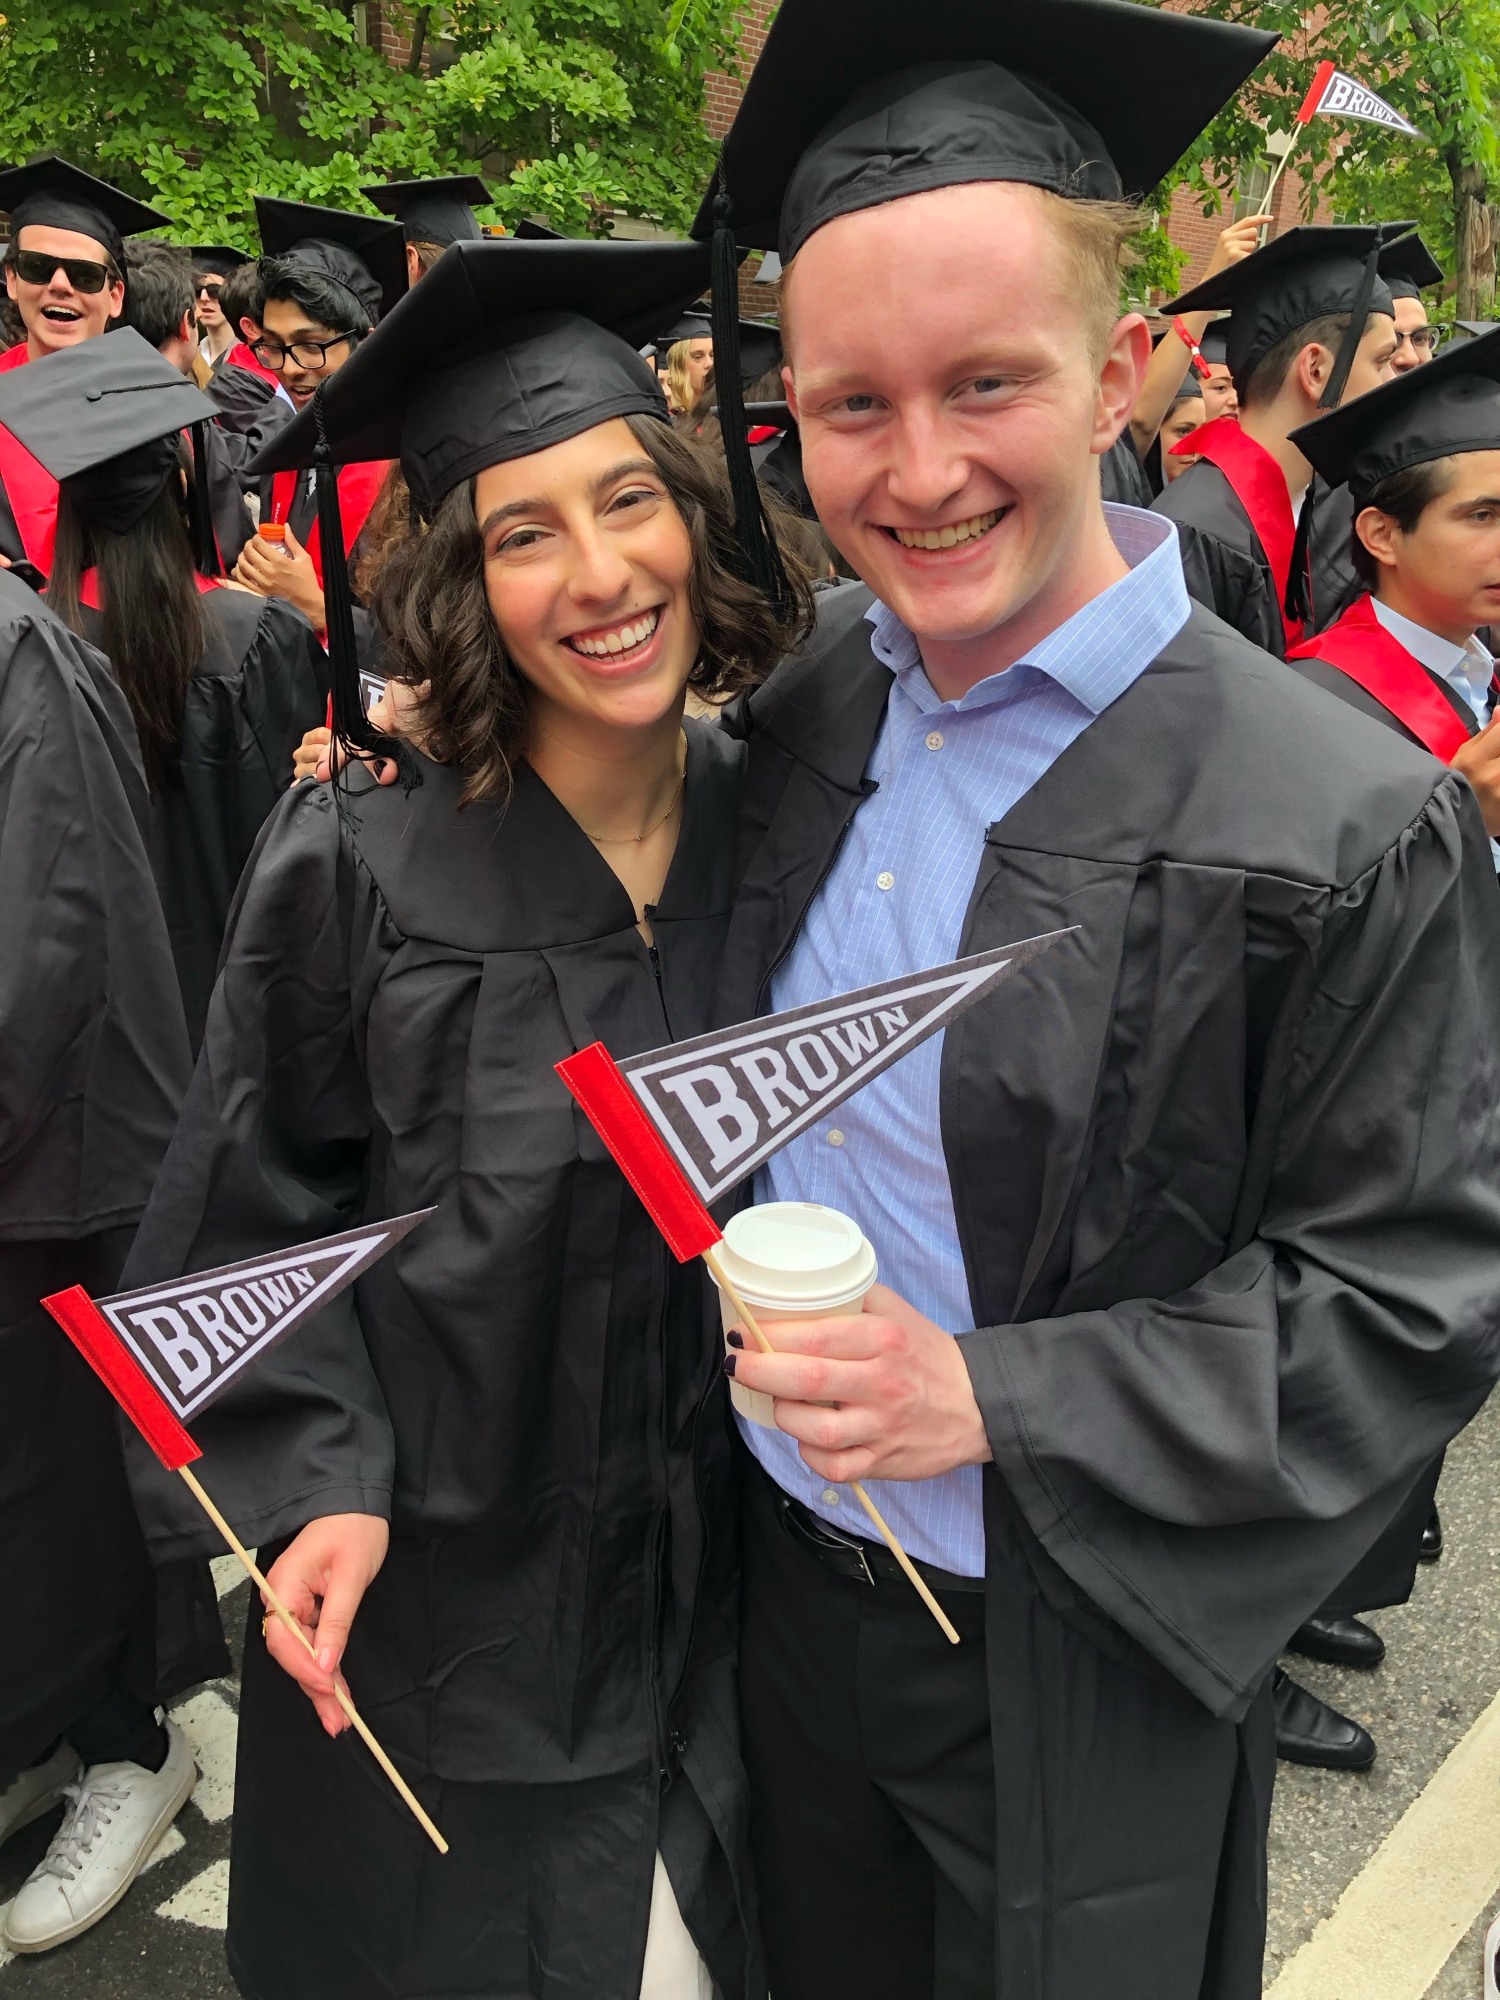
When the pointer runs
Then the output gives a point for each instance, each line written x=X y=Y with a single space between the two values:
x=419 y=26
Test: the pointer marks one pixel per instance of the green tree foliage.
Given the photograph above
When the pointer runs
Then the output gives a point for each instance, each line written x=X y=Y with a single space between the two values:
x=1437 y=62
x=569 y=108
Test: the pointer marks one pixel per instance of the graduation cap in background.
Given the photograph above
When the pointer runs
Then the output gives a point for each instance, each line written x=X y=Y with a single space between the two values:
x=1214 y=346
x=53 y=194
x=1288 y=283
x=503 y=349
x=759 y=343
x=536 y=232
x=1474 y=329
x=440 y=210
x=105 y=418
x=855 y=103
x=365 y=254
x=1406 y=264
x=219 y=257
x=1446 y=407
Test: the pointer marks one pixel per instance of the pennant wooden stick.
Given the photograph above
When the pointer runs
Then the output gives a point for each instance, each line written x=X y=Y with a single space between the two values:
x=747 y=1318
x=93 y=1336
x=341 y=1694
x=616 y=1114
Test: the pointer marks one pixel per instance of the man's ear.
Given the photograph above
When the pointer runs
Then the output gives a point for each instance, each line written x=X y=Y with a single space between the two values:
x=1378 y=532
x=1313 y=367
x=1125 y=362
x=188 y=331
x=791 y=392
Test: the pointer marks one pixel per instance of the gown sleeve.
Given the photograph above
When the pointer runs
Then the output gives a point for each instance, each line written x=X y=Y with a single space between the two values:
x=1206 y=1467
x=93 y=1055
x=270 y=1151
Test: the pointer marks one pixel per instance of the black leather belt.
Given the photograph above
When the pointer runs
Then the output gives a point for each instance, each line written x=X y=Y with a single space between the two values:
x=852 y=1556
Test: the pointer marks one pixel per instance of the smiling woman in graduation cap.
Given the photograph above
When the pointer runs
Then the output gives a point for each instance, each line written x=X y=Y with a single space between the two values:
x=530 y=1389
x=221 y=683
x=1192 y=1234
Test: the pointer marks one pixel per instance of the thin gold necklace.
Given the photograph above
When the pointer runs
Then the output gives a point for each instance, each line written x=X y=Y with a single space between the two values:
x=635 y=839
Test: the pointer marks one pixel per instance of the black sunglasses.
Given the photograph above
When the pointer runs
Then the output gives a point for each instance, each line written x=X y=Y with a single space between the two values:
x=35 y=267
x=209 y=288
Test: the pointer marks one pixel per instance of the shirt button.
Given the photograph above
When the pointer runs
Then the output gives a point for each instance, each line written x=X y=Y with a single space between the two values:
x=885 y=879
x=935 y=739
x=835 y=1137
x=830 y=1498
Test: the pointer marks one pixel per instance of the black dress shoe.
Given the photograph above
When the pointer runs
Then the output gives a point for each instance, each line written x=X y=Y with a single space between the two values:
x=1308 y=1731
x=1432 y=1539
x=1343 y=1642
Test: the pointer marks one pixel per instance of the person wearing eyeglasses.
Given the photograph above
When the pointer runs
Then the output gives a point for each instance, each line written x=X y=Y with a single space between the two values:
x=328 y=276
x=65 y=277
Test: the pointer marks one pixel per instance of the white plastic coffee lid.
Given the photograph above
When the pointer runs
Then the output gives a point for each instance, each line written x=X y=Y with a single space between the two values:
x=798 y=1253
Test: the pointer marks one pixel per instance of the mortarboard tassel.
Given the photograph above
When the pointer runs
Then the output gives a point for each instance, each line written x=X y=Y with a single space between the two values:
x=1354 y=333
x=206 y=551
x=350 y=723
x=760 y=559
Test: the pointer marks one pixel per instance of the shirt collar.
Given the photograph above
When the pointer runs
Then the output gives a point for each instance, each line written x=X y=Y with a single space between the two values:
x=1098 y=652
x=1468 y=670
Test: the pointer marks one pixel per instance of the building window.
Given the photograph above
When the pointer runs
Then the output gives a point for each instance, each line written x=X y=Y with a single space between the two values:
x=1250 y=188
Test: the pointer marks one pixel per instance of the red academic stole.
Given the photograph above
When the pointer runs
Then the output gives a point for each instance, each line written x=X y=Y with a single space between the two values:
x=1359 y=646
x=240 y=356
x=29 y=486
x=88 y=587
x=1259 y=484
x=359 y=487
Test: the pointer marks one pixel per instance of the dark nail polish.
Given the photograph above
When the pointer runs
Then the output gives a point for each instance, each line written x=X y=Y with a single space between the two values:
x=735 y=1337
x=729 y=1364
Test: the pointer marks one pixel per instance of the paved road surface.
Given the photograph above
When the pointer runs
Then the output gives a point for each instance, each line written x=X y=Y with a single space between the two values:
x=1441 y=1675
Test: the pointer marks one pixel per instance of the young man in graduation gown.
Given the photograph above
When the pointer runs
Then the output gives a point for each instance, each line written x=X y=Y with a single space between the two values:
x=327 y=277
x=65 y=275
x=1311 y=322
x=160 y=308
x=1406 y=265
x=1220 y=1297
x=95 y=1064
x=432 y=214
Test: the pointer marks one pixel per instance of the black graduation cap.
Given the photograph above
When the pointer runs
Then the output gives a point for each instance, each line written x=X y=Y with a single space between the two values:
x=537 y=232
x=503 y=349
x=54 y=194
x=105 y=418
x=1406 y=264
x=1288 y=283
x=1448 y=406
x=759 y=342
x=219 y=257
x=855 y=103
x=1214 y=346
x=433 y=211
x=363 y=253
x=1475 y=329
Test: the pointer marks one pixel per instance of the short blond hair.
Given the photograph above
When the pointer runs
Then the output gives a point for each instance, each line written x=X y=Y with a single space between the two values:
x=1098 y=241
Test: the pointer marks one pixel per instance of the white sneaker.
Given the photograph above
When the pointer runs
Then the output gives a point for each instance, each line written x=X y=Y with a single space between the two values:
x=1491 y=1952
x=37 y=1791
x=116 y=1815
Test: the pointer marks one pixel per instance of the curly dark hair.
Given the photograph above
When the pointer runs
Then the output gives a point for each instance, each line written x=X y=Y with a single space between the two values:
x=430 y=604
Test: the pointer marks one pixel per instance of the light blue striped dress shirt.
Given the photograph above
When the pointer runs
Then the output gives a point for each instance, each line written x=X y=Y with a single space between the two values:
x=895 y=902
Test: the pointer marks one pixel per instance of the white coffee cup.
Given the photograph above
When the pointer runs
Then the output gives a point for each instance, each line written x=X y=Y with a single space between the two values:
x=791 y=1260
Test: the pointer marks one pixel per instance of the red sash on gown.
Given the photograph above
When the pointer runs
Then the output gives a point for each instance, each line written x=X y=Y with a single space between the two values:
x=29 y=486
x=240 y=356
x=14 y=357
x=359 y=486
x=1359 y=646
x=1259 y=484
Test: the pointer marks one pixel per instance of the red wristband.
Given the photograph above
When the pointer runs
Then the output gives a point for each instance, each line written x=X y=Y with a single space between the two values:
x=1195 y=353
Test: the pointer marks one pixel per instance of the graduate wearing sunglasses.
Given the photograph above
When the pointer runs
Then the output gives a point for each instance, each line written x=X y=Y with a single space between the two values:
x=65 y=275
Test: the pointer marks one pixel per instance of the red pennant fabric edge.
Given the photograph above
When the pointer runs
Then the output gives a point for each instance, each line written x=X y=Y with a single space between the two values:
x=615 y=1113
x=96 y=1340
x=1322 y=77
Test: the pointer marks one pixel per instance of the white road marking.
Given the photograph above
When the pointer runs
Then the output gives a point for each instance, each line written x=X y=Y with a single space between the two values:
x=204 y=1901
x=1409 y=1908
x=209 y=1724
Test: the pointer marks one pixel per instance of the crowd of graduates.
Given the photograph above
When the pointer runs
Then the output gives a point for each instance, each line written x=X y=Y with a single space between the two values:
x=424 y=652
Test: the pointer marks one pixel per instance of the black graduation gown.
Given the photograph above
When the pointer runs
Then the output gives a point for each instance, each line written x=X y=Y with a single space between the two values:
x=261 y=685
x=1226 y=1174
x=1224 y=565
x=529 y=1384
x=93 y=1061
x=1334 y=581
x=1122 y=477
